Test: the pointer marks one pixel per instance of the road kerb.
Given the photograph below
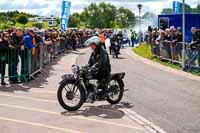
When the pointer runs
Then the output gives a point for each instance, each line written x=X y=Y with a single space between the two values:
x=142 y=121
x=162 y=67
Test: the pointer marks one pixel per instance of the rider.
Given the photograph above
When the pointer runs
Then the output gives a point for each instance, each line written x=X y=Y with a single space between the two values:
x=99 y=61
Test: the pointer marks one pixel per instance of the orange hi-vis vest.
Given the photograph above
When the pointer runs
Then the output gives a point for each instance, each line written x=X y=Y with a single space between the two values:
x=102 y=38
x=34 y=43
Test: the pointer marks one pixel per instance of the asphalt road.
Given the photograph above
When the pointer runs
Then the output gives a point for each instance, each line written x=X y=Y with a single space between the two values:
x=170 y=101
x=33 y=107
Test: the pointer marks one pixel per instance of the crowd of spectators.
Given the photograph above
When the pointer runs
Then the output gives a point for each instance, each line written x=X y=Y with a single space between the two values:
x=16 y=45
x=168 y=43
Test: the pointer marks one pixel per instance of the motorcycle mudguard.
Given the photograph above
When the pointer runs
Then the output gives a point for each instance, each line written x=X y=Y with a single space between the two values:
x=117 y=76
x=68 y=78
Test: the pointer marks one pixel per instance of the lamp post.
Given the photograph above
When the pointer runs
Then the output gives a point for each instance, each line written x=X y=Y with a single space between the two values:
x=140 y=31
x=183 y=33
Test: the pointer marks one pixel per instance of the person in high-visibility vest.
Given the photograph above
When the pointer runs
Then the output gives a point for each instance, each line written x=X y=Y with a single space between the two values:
x=102 y=39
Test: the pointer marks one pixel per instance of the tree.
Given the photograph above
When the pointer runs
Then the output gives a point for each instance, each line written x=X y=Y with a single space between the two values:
x=74 y=20
x=101 y=16
x=188 y=9
x=106 y=16
x=92 y=16
x=38 y=25
x=197 y=9
x=22 y=19
x=167 y=11
x=58 y=21
x=125 y=17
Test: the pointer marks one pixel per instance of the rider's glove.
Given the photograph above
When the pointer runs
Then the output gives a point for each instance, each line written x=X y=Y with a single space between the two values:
x=93 y=70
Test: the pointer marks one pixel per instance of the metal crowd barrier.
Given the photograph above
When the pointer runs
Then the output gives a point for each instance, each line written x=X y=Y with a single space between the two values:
x=170 y=51
x=17 y=64
x=45 y=54
x=35 y=61
x=14 y=63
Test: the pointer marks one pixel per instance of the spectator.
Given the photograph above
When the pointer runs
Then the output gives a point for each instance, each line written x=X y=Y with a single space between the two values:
x=195 y=45
x=16 y=40
x=155 y=47
x=73 y=40
x=30 y=42
x=133 y=38
x=102 y=39
x=4 y=46
x=178 y=39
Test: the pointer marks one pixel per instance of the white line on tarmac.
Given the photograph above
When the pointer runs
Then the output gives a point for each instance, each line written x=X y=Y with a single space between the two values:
x=36 y=99
x=45 y=92
x=49 y=101
x=78 y=117
x=39 y=125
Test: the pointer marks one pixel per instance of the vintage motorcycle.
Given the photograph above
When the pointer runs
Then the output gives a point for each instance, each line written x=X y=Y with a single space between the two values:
x=75 y=88
x=114 y=50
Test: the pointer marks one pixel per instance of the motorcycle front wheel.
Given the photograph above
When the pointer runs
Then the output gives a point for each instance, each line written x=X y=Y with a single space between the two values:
x=70 y=96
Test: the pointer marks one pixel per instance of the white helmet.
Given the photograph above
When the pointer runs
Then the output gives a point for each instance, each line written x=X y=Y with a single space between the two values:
x=92 y=40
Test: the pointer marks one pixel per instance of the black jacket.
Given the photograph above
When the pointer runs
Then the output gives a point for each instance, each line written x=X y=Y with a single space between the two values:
x=15 y=41
x=100 y=60
x=4 y=51
x=3 y=45
x=196 y=40
x=196 y=37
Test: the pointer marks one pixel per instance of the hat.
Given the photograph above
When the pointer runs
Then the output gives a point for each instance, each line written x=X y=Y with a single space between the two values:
x=31 y=30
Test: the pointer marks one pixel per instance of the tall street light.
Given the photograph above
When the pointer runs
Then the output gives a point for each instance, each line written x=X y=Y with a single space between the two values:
x=140 y=31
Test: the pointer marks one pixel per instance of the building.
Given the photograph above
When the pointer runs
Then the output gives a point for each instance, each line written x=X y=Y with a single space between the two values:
x=50 y=20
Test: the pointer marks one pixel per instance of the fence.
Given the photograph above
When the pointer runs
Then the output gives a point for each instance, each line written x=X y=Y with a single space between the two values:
x=17 y=64
x=171 y=51
x=14 y=63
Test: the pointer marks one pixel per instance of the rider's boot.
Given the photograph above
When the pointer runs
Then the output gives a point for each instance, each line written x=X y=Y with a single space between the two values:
x=91 y=98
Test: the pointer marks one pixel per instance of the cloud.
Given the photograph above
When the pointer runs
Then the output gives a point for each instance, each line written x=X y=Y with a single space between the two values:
x=53 y=7
x=13 y=6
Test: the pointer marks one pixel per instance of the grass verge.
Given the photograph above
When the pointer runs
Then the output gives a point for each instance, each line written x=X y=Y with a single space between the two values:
x=144 y=50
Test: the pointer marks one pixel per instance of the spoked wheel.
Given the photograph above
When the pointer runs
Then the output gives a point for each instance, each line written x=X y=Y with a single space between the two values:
x=70 y=96
x=116 y=91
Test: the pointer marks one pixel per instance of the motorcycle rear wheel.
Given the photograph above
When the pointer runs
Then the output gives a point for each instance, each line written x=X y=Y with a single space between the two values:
x=119 y=88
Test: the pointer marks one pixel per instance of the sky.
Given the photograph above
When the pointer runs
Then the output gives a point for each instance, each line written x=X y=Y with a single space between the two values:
x=53 y=7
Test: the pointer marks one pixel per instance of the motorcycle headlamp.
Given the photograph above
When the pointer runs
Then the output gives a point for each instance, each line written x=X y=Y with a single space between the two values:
x=75 y=69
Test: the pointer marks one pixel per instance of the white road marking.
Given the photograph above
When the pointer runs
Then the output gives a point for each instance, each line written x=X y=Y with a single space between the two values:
x=39 y=125
x=138 y=127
